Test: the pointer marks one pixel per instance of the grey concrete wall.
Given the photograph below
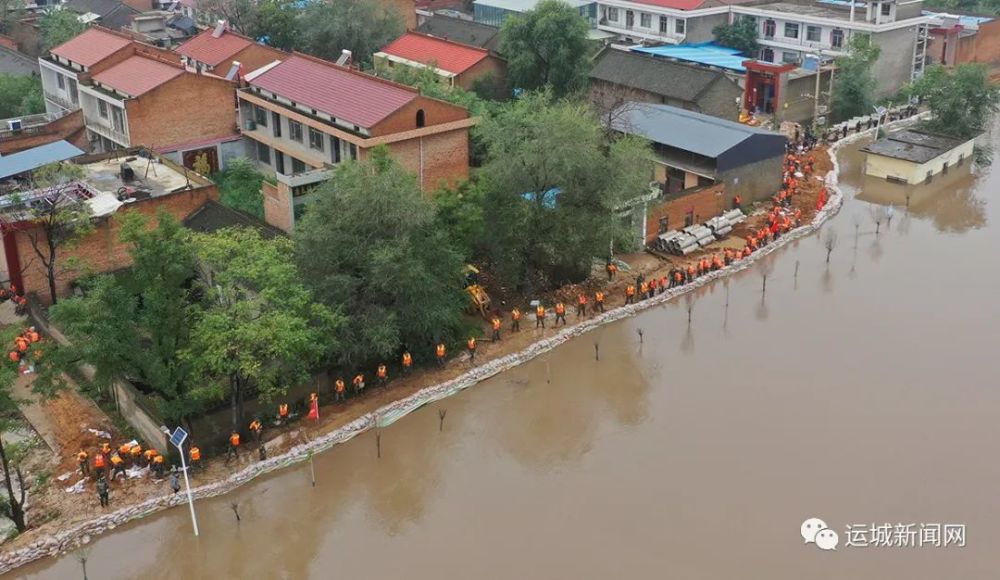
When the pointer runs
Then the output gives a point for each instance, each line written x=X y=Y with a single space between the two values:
x=895 y=63
x=143 y=420
x=799 y=97
x=754 y=182
x=908 y=11
x=700 y=29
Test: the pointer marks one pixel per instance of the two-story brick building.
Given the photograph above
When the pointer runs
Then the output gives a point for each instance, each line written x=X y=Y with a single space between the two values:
x=303 y=116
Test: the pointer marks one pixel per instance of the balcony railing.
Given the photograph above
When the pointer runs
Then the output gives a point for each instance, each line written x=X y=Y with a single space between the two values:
x=114 y=135
x=68 y=105
x=304 y=178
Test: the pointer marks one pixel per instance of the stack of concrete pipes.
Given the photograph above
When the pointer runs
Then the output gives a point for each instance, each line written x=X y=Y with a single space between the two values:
x=698 y=236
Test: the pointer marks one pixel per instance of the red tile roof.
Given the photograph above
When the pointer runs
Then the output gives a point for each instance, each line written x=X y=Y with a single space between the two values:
x=214 y=51
x=137 y=75
x=446 y=55
x=342 y=93
x=91 y=46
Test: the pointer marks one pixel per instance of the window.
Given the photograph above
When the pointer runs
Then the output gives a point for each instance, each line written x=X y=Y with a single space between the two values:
x=629 y=19
x=74 y=94
x=277 y=124
x=837 y=38
x=812 y=33
x=613 y=14
x=886 y=9
x=679 y=26
x=117 y=119
x=689 y=218
x=662 y=226
x=791 y=30
x=298 y=166
x=767 y=55
x=335 y=149
x=295 y=130
x=353 y=152
x=930 y=176
x=769 y=28
x=260 y=115
x=263 y=153
x=789 y=57
x=645 y=20
x=61 y=81
x=315 y=139
x=279 y=161
x=102 y=109
x=664 y=24
x=420 y=118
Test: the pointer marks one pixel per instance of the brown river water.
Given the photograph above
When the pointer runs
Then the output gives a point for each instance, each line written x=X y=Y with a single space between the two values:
x=861 y=392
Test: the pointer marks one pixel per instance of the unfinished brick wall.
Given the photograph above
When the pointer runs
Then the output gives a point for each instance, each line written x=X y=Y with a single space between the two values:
x=983 y=47
x=277 y=205
x=437 y=160
x=188 y=108
x=69 y=128
x=405 y=119
x=704 y=203
x=489 y=66
x=101 y=251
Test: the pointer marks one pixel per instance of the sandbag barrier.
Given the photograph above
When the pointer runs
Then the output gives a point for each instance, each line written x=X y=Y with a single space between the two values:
x=68 y=539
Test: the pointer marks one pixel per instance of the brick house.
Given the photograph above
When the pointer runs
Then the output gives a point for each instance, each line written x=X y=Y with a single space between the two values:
x=215 y=49
x=305 y=115
x=156 y=183
x=457 y=64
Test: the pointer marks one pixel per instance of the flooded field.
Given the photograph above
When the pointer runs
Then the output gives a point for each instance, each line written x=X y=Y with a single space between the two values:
x=864 y=391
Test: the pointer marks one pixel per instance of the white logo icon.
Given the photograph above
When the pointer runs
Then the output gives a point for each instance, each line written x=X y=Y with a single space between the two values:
x=810 y=528
x=827 y=540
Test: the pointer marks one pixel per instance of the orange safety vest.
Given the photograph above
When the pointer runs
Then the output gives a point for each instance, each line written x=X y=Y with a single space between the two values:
x=105 y=448
x=560 y=308
x=339 y=386
x=195 y=454
x=115 y=460
x=358 y=380
x=643 y=288
x=382 y=373
x=82 y=456
x=124 y=449
x=14 y=356
x=283 y=410
x=496 y=323
x=540 y=312
x=599 y=297
x=471 y=343
x=136 y=451
x=582 y=300
x=159 y=459
x=630 y=291
x=690 y=270
x=234 y=440
x=150 y=454
x=515 y=314
x=652 y=284
x=663 y=281
x=99 y=461
x=440 y=350
x=678 y=276
x=21 y=343
x=407 y=359
x=255 y=425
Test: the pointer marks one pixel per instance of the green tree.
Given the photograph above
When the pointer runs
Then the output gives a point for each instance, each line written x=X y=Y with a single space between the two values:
x=429 y=82
x=59 y=223
x=239 y=186
x=460 y=215
x=962 y=101
x=10 y=12
x=854 y=86
x=276 y=21
x=133 y=325
x=553 y=184
x=238 y=14
x=20 y=95
x=370 y=244
x=361 y=26
x=547 y=46
x=258 y=329
x=11 y=455
x=741 y=35
x=57 y=26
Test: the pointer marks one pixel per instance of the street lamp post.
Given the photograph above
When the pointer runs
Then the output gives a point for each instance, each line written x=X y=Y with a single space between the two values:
x=177 y=438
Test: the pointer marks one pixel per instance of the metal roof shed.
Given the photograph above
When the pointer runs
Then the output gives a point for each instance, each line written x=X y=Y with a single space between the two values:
x=25 y=161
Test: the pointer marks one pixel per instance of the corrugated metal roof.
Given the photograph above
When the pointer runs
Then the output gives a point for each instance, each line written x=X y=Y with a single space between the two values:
x=31 y=159
x=137 y=75
x=681 y=129
x=659 y=76
x=913 y=146
x=345 y=94
x=213 y=51
x=706 y=53
x=446 y=55
x=91 y=46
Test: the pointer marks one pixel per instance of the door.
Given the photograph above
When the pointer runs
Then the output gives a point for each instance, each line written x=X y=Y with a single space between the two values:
x=210 y=153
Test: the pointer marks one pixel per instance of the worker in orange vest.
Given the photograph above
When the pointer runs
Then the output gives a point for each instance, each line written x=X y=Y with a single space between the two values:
x=471 y=346
x=99 y=464
x=21 y=343
x=159 y=465
x=136 y=453
x=560 y=314
x=691 y=272
x=515 y=319
x=283 y=413
x=629 y=294
x=339 y=390
x=382 y=374
x=83 y=459
x=737 y=202
x=581 y=305
x=234 y=447
x=14 y=356
x=599 y=300
x=194 y=455
x=539 y=316
x=358 y=383
x=678 y=278
x=257 y=428
x=117 y=466
x=496 y=328
x=407 y=362
x=664 y=282
x=148 y=457
x=106 y=451
x=643 y=290
x=652 y=287
x=124 y=451
x=440 y=351
x=612 y=268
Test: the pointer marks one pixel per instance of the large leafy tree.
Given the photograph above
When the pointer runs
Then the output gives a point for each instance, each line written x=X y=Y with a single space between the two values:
x=370 y=243
x=275 y=20
x=239 y=186
x=57 y=26
x=962 y=101
x=133 y=325
x=20 y=95
x=361 y=26
x=547 y=46
x=741 y=35
x=258 y=329
x=854 y=89
x=553 y=184
x=239 y=14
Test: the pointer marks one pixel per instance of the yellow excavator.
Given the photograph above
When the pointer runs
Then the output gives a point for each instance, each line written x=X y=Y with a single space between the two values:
x=479 y=300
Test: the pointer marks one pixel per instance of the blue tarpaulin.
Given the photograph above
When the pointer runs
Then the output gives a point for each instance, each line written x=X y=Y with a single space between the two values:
x=707 y=53
x=548 y=197
x=17 y=163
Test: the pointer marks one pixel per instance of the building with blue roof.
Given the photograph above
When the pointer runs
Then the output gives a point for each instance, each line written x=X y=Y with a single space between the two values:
x=705 y=53
x=31 y=159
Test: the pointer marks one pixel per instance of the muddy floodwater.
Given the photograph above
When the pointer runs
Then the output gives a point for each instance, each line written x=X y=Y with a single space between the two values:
x=863 y=391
